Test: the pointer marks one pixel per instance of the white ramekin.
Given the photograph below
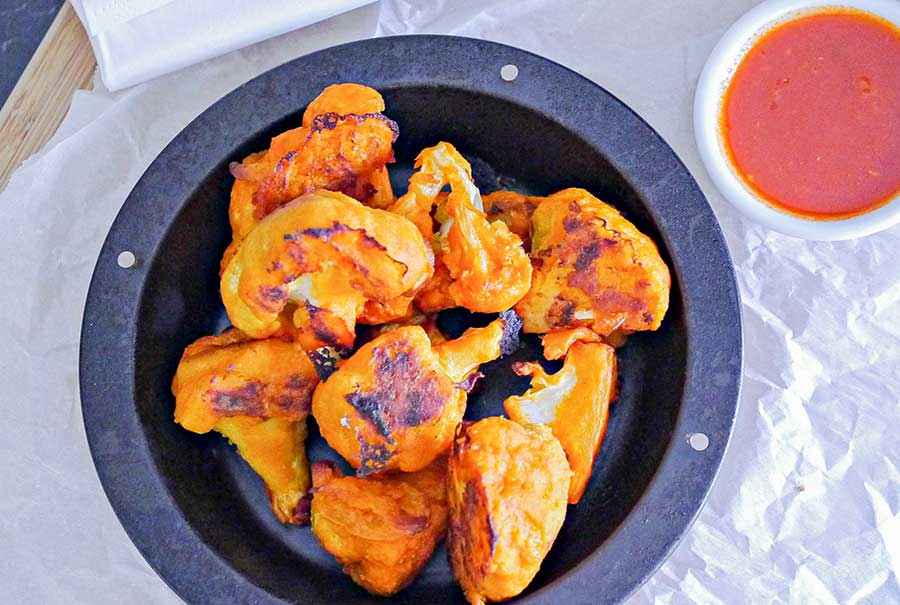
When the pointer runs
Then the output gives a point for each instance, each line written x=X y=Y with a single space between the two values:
x=714 y=80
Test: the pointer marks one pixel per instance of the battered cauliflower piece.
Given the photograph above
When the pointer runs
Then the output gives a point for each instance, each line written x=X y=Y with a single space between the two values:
x=257 y=394
x=573 y=402
x=485 y=267
x=382 y=530
x=394 y=404
x=336 y=151
x=593 y=268
x=328 y=255
x=507 y=488
x=301 y=158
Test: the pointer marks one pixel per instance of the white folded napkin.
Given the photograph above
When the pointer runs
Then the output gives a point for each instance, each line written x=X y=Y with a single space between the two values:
x=138 y=40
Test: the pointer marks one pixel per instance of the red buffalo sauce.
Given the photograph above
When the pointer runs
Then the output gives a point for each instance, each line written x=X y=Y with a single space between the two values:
x=811 y=118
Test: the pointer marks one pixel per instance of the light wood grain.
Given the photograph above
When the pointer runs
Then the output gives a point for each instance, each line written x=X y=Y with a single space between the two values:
x=63 y=63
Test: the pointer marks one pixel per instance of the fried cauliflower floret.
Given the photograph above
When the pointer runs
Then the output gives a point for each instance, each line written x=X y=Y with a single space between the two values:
x=592 y=268
x=336 y=151
x=479 y=265
x=507 y=488
x=382 y=530
x=309 y=156
x=329 y=255
x=573 y=402
x=394 y=404
x=257 y=394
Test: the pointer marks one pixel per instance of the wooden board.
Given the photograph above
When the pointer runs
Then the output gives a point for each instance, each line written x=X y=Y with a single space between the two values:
x=63 y=63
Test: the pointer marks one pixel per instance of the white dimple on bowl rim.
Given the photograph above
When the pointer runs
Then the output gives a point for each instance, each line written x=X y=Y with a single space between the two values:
x=714 y=81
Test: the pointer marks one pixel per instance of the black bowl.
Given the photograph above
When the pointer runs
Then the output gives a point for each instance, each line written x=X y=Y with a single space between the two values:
x=200 y=516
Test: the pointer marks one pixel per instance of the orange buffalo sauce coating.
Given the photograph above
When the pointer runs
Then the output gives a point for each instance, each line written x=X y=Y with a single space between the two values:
x=811 y=118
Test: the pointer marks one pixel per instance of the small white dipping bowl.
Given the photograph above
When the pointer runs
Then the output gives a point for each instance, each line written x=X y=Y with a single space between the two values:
x=713 y=83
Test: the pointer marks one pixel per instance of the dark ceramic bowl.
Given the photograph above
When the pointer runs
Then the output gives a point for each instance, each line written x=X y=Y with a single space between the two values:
x=200 y=516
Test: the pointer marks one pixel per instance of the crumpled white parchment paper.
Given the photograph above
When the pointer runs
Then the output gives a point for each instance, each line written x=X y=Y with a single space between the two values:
x=807 y=505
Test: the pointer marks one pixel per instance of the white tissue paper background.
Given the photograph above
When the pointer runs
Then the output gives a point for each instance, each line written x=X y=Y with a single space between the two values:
x=138 y=40
x=807 y=505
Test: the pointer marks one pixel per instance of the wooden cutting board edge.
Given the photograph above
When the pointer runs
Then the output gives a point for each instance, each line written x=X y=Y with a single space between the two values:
x=62 y=64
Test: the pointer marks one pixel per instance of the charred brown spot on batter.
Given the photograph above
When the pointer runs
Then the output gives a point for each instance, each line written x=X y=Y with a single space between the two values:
x=647 y=317
x=574 y=220
x=323 y=327
x=323 y=233
x=271 y=298
x=586 y=256
x=294 y=401
x=406 y=393
x=561 y=312
x=608 y=242
x=245 y=400
x=346 y=240
x=607 y=299
x=330 y=120
x=373 y=457
x=472 y=531
x=571 y=224
x=292 y=406
x=324 y=360
x=325 y=121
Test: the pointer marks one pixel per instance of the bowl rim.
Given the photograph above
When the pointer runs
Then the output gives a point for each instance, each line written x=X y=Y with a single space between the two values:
x=701 y=264
x=714 y=80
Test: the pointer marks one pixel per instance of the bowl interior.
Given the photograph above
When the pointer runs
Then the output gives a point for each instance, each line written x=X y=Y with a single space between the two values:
x=225 y=502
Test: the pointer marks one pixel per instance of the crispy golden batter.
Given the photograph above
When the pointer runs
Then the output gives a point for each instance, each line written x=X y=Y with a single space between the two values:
x=329 y=255
x=395 y=403
x=371 y=184
x=507 y=491
x=382 y=530
x=257 y=393
x=573 y=402
x=515 y=210
x=592 y=268
x=485 y=267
